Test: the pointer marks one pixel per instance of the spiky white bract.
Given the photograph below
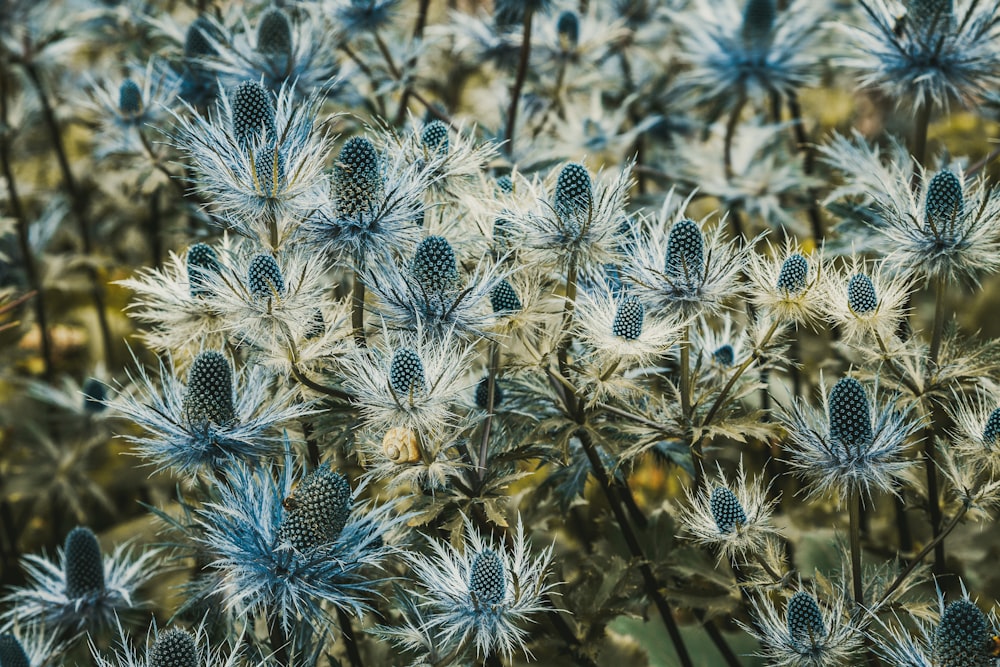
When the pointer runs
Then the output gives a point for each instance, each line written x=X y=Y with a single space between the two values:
x=259 y=573
x=787 y=283
x=919 y=242
x=730 y=64
x=784 y=645
x=307 y=65
x=462 y=309
x=976 y=432
x=718 y=347
x=430 y=412
x=179 y=323
x=127 y=654
x=360 y=16
x=45 y=600
x=265 y=187
x=599 y=310
x=277 y=316
x=588 y=235
x=699 y=517
x=848 y=300
x=831 y=465
x=928 y=60
x=383 y=227
x=177 y=441
x=461 y=615
x=692 y=290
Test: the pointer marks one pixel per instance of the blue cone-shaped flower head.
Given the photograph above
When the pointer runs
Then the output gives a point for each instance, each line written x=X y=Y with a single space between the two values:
x=264 y=279
x=316 y=513
x=850 y=416
x=568 y=29
x=129 y=98
x=991 y=432
x=628 y=318
x=209 y=396
x=944 y=204
x=925 y=15
x=274 y=33
x=434 y=137
x=406 y=373
x=794 y=274
x=504 y=298
x=758 y=22
x=861 y=295
x=196 y=42
x=95 y=393
x=685 y=261
x=487 y=579
x=483 y=393
x=962 y=637
x=506 y=184
x=726 y=510
x=12 y=653
x=84 y=564
x=805 y=622
x=173 y=648
x=574 y=196
x=201 y=260
x=724 y=355
x=253 y=113
x=357 y=178
x=434 y=266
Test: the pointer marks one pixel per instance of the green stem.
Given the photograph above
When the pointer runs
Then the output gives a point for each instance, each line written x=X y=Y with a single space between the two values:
x=278 y=639
x=921 y=125
x=727 y=149
x=522 y=72
x=854 y=508
x=808 y=166
x=491 y=392
x=418 y=34
x=358 y=310
x=350 y=640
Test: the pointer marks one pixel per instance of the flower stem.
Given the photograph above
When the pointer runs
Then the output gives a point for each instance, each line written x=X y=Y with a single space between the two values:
x=358 y=310
x=350 y=640
x=808 y=166
x=854 y=508
x=921 y=124
x=929 y=453
x=418 y=34
x=727 y=148
x=491 y=393
x=278 y=639
x=522 y=72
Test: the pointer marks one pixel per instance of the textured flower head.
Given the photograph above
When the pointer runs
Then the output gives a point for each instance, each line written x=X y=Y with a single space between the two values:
x=731 y=517
x=853 y=445
x=947 y=228
x=939 y=53
x=787 y=283
x=484 y=594
x=806 y=634
x=749 y=47
x=83 y=590
x=218 y=415
x=866 y=301
x=976 y=434
x=677 y=266
x=286 y=549
x=259 y=160
x=173 y=647
x=29 y=646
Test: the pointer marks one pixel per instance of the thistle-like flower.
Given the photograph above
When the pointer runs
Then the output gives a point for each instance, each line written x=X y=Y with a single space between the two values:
x=853 y=445
x=29 y=646
x=259 y=160
x=83 y=590
x=375 y=201
x=483 y=594
x=749 y=50
x=430 y=294
x=731 y=517
x=866 y=301
x=806 y=635
x=787 y=284
x=976 y=434
x=217 y=416
x=677 y=267
x=940 y=52
x=173 y=647
x=289 y=550
x=949 y=229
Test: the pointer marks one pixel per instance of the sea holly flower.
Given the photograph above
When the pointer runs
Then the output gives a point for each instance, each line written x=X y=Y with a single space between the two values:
x=853 y=445
x=940 y=52
x=29 y=646
x=290 y=550
x=82 y=589
x=484 y=594
x=171 y=647
x=787 y=283
x=806 y=634
x=216 y=416
x=866 y=301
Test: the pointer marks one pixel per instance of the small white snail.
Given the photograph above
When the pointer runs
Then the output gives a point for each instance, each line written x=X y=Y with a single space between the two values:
x=400 y=445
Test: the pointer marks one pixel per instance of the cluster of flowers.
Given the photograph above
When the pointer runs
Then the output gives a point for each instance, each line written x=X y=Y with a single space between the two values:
x=382 y=344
